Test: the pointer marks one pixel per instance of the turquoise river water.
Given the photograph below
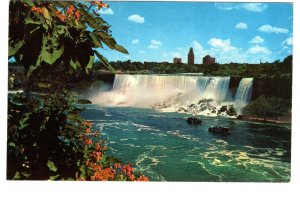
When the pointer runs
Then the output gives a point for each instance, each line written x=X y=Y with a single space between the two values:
x=165 y=148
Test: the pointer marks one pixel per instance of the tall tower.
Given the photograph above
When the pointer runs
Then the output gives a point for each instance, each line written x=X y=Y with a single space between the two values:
x=191 y=57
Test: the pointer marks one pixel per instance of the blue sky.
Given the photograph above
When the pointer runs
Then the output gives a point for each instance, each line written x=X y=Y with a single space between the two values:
x=231 y=32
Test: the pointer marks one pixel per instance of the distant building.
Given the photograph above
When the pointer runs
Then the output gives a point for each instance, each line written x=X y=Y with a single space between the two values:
x=207 y=60
x=191 y=57
x=176 y=60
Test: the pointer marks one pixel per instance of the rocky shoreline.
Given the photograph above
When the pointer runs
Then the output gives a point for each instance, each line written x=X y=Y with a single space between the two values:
x=281 y=120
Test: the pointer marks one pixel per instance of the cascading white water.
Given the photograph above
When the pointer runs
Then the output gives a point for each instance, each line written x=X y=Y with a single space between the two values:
x=244 y=92
x=181 y=93
x=147 y=90
x=214 y=87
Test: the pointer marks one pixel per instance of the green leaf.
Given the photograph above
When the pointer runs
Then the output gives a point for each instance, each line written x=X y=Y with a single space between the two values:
x=121 y=49
x=47 y=16
x=44 y=85
x=29 y=2
x=62 y=4
x=51 y=51
x=29 y=20
x=31 y=69
x=14 y=48
x=12 y=144
x=104 y=61
x=110 y=42
x=73 y=64
x=60 y=29
x=51 y=178
x=22 y=123
x=104 y=35
x=83 y=171
x=95 y=40
x=17 y=176
x=51 y=166
x=26 y=174
x=91 y=62
x=83 y=101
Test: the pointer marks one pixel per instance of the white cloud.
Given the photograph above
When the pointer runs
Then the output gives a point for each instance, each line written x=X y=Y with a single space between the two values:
x=221 y=44
x=151 y=46
x=258 y=50
x=256 y=40
x=241 y=26
x=142 y=52
x=155 y=44
x=135 y=41
x=106 y=11
x=270 y=29
x=288 y=41
x=179 y=48
x=253 y=7
x=225 y=52
x=136 y=18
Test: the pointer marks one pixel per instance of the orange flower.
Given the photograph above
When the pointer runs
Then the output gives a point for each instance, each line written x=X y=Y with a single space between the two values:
x=98 y=147
x=88 y=141
x=100 y=4
x=127 y=169
x=98 y=156
x=131 y=177
x=104 y=174
x=143 y=178
x=37 y=9
x=71 y=10
x=88 y=130
x=61 y=16
x=117 y=165
x=77 y=15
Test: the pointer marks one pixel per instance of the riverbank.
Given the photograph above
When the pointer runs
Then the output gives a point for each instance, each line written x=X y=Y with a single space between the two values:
x=280 y=120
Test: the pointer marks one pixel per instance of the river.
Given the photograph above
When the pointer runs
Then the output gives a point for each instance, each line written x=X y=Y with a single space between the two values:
x=164 y=147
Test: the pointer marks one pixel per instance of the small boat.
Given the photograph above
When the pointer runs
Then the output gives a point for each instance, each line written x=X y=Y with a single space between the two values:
x=194 y=121
x=220 y=130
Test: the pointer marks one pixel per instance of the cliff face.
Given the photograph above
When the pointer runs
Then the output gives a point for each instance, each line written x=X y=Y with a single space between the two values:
x=268 y=87
x=272 y=87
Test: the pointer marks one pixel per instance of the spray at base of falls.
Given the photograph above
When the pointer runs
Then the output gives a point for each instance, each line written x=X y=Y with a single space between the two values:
x=197 y=95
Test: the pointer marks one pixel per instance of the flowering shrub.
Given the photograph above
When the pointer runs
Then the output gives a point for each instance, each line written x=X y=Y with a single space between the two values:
x=46 y=137
x=100 y=167
x=45 y=33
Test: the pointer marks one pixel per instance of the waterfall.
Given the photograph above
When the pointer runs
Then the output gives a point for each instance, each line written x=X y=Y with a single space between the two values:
x=174 y=93
x=244 y=92
x=146 y=90
x=214 y=87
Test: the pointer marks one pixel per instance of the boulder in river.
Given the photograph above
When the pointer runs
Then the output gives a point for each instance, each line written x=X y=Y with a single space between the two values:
x=194 y=121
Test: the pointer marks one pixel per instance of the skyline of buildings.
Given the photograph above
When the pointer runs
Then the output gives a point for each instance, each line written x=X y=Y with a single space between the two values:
x=206 y=60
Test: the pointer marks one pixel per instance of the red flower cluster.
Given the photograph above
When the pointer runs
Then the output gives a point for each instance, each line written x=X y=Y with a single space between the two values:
x=77 y=15
x=105 y=174
x=100 y=169
x=61 y=16
x=37 y=10
x=100 y=4
x=70 y=13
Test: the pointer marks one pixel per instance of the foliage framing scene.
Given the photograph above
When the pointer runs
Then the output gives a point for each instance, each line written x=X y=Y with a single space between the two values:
x=159 y=91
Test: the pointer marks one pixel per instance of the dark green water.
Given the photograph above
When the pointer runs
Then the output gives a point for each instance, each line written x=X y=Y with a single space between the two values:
x=165 y=148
